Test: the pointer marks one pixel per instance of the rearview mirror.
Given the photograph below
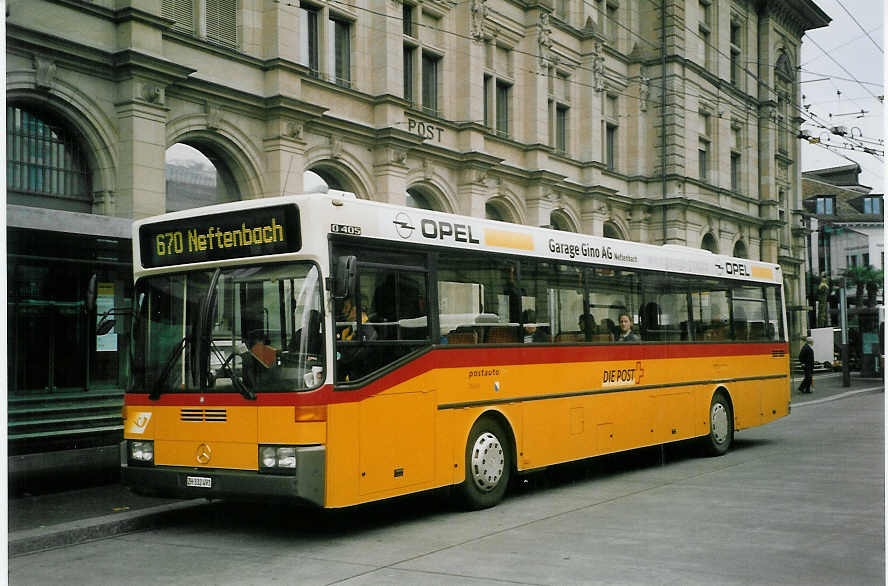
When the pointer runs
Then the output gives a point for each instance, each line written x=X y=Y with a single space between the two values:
x=344 y=278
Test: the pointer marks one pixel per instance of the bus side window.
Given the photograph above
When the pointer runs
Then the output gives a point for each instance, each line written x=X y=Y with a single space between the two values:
x=394 y=315
x=709 y=310
x=478 y=294
x=611 y=292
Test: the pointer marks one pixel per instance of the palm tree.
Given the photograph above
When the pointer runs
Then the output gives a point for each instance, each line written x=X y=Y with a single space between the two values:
x=874 y=282
x=857 y=276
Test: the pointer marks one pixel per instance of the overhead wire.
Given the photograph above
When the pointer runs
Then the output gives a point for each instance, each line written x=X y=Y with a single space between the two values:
x=843 y=68
x=837 y=47
x=839 y=2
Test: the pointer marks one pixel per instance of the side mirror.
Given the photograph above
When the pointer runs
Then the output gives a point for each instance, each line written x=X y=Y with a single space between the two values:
x=345 y=274
x=89 y=299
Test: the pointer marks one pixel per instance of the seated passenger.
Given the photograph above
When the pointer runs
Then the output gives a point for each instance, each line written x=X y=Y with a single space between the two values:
x=626 y=333
x=587 y=326
x=532 y=332
x=609 y=327
x=352 y=360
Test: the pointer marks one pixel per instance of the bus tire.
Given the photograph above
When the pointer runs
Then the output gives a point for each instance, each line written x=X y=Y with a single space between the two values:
x=488 y=465
x=721 y=426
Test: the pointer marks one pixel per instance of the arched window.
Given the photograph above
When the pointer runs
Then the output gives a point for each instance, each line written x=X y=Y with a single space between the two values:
x=611 y=231
x=197 y=178
x=315 y=179
x=492 y=212
x=418 y=199
x=560 y=221
x=709 y=243
x=783 y=66
x=740 y=249
x=45 y=165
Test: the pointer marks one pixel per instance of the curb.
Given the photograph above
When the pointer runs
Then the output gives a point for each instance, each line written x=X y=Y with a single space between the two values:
x=74 y=532
x=837 y=397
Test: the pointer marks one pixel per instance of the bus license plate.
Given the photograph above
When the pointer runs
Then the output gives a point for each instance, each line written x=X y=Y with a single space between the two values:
x=199 y=481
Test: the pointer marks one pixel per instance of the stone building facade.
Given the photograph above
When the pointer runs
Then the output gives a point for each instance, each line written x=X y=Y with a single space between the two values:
x=670 y=122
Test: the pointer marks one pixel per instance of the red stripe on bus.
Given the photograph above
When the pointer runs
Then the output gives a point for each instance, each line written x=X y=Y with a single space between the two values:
x=465 y=358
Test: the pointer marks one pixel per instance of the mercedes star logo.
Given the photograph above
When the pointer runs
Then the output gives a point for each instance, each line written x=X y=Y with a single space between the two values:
x=403 y=225
x=203 y=454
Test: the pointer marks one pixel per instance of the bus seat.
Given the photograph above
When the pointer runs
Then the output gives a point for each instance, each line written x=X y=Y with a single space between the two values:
x=462 y=338
x=601 y=338
x=569 y=337
x=502 y=335
x=757 y=331
x=715 y=333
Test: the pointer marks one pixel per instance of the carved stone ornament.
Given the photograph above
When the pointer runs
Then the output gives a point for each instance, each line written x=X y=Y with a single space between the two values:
x=152 y=93
x=478 y=17
x=598 y=68
x=45 y=72
x=335 y=146
x=294 y=129
x=644 y=90
x=399 y=156
x=544 y=39
x=215 y=116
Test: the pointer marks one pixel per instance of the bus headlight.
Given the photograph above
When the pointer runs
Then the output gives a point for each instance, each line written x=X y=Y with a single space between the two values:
x=141 y=452
x=281 y=459
x=267 y=457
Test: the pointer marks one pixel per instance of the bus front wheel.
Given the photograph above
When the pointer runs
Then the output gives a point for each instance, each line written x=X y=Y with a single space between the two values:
x=721 y=426
x=488 y=465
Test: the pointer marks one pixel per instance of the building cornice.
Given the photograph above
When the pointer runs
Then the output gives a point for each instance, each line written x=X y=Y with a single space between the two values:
x=73 y=56
x=130 y=62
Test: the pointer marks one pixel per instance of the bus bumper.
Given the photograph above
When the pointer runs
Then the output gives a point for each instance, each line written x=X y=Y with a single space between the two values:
x=306 y=483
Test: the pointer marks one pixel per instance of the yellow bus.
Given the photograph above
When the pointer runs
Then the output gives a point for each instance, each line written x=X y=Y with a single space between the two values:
x=340 y=351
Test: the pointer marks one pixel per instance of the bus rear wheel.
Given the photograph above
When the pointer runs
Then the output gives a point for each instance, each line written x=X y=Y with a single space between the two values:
x=488 y=465
x=721 y=426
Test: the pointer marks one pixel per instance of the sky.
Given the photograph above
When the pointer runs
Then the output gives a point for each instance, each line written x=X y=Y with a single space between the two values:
x=842 y=73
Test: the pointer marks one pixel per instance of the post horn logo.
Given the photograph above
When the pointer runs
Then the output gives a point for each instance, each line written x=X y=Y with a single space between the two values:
x=203 y=454
x=403 y=225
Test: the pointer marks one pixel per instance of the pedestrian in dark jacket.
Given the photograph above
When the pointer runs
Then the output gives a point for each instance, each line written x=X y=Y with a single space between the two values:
x=806 y=357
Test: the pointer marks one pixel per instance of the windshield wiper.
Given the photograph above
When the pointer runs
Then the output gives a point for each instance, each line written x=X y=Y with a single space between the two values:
x=227 y=368
x=168 y=368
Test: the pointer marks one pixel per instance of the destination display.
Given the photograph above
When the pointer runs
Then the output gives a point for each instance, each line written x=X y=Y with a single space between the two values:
x=253 y=232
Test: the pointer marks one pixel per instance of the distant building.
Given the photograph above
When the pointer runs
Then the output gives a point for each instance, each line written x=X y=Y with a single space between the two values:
x=847 y=221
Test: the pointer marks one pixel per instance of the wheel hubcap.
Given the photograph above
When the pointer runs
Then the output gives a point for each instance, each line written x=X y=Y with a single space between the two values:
x=719 y=417
x=488 y=461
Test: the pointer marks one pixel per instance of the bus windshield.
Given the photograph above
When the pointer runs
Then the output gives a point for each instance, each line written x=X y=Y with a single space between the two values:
x=246 y=329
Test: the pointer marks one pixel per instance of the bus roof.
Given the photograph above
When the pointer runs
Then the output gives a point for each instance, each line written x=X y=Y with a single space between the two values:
x=363 y=219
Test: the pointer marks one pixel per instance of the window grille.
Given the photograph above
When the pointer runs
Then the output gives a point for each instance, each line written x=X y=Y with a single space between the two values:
x=44 y=160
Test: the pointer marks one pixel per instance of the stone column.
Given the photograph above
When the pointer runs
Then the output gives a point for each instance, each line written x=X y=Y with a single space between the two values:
x=593 y=215
x=473 y=192
x=141 y=120
x=390 y=171
x=284 y=157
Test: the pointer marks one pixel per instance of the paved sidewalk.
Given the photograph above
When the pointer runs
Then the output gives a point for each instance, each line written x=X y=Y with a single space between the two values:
x=38 y=522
